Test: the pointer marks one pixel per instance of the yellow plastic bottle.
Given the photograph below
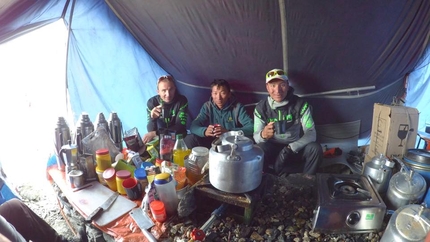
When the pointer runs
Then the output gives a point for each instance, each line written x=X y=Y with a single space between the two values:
x=180 y=151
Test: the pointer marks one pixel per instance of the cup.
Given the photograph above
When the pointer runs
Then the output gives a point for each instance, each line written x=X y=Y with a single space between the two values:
x=281 y=127
x=132 y=188
x=76 y=178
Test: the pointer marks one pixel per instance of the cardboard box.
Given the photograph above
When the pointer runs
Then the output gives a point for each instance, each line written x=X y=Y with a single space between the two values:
x=394 y=130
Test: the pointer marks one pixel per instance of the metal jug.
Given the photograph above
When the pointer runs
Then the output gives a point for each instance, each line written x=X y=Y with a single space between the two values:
x=115 y=129
x=101 y=122
x=69 y=155
x=235 y=163
x=379 y=170
x=62 y=137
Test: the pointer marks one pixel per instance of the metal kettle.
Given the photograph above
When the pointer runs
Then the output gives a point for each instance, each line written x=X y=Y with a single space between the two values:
x=235 y=163
x=379 y=170
x=408 y=223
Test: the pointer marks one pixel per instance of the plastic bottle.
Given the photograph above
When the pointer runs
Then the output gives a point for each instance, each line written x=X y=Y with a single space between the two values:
x=158 y=211
x=141 y=177
x=195 y=162
x=120 y=177
x=180 y=150
x=165 y=187
x=103 y=159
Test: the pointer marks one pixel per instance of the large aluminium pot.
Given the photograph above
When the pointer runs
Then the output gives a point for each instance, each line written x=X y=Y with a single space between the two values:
x=235 y=163
x=408 y=223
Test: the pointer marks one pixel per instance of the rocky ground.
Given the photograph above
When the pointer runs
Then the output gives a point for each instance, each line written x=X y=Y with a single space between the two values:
x=284 y=214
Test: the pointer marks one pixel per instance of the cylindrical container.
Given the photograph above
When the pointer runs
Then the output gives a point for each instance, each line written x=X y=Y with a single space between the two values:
x=100 y=176
x=167 y=192
x=87 y=127
x=115 y=129
x=101 y=122
x=103 y=159
x=158 y=210
x=180 y=150
x=408 y=223
x=419 y=161
x=109 y=175
x=140 y=175
x=76 y=178
x=194 y=163
x=120 y=177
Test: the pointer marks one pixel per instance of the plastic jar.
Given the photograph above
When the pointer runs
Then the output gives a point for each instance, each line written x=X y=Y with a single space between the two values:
x=109 y=175
x=140 y=175
x=194 y=163
x=103 y=159
x=158 y=211
x=166 y=191
x=120 y=177
x=100 y=176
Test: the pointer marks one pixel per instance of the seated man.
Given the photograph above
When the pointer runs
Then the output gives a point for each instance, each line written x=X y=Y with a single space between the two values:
x=19 y=223
x=167 y=110
x=292 y=148
x=222 y=113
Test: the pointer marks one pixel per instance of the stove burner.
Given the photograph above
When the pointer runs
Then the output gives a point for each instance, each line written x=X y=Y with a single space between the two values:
x=351 y=189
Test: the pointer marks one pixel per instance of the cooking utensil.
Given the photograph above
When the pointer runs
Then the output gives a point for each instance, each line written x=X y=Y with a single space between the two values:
x=144 y=222
x=103 y=207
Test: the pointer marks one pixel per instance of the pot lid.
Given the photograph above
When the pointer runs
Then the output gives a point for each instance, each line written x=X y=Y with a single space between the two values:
x=412 y=222
x=418 y=155
x=406 y=184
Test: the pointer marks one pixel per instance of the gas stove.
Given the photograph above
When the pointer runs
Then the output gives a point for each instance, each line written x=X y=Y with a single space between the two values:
x=347 y=203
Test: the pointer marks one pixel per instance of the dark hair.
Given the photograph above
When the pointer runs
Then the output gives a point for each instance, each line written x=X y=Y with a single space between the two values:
x=221 y=83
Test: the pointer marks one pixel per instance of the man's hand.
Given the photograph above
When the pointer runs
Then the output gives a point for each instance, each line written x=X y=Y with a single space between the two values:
x=268 y=131
x=149 y=136
x=156 y=112
x=210 y=131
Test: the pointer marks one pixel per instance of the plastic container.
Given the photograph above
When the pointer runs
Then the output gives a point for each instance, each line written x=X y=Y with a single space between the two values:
x=103 y=159
x=109 y=175
x=158 y=211
x=120 y=177
x=194 y=163
x=180 y=150
x=167 y=192
x=100 y=176
x=140 y=175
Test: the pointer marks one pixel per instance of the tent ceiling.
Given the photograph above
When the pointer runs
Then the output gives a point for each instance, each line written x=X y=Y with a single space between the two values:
x=332 y=45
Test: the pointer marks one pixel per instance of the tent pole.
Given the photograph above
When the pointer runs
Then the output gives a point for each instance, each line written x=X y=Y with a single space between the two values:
x=69 y=30
x=284 y=34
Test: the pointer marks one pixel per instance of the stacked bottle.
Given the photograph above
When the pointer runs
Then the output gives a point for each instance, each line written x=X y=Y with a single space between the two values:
x=180 y=150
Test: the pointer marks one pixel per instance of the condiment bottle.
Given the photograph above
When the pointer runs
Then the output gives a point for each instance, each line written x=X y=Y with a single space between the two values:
x=120 y=177
x=141 y=177
x=180 y=150
x=158 y=211
x=194 y=163
x=103 y=159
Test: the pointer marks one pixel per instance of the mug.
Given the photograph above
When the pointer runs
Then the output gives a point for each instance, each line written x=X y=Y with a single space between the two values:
x=132 y=188
x=281 y=127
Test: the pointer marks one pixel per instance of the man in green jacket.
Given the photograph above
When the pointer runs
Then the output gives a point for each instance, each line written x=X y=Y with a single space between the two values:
x=222 y=113
x=285 y=130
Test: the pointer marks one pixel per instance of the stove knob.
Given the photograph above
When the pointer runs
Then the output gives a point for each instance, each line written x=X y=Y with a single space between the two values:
x=353 y=218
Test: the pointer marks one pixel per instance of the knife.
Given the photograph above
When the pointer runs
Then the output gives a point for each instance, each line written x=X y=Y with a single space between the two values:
x=102 y=207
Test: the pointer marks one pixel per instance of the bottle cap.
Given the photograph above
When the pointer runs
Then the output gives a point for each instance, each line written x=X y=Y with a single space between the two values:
x=179 y=136
x=200 y=151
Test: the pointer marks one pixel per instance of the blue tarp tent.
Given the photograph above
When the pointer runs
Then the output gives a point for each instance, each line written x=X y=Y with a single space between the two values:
x=342 y=56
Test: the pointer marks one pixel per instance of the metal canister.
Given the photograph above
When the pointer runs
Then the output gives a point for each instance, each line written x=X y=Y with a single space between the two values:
x=101 y=122
x=62 y=137
x=115 y=129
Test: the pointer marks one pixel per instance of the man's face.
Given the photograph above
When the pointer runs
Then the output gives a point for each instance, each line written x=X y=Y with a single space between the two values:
x=220 y=95
x=277 y=89
x=166 y=90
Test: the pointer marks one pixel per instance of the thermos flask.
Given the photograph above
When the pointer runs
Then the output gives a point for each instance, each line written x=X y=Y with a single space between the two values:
x=115 y=129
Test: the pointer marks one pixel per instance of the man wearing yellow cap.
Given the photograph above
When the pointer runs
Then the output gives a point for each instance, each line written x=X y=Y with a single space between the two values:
x=285 y=130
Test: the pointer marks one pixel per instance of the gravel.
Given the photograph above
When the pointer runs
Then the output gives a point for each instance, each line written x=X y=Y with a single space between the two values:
x=284 y=214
